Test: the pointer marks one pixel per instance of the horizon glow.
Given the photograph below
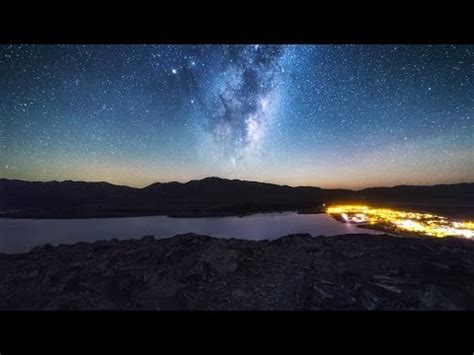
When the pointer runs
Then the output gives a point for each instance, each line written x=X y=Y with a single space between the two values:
x=333 y=116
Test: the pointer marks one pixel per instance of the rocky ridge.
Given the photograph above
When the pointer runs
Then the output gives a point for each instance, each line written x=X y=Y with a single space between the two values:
x=195 y=272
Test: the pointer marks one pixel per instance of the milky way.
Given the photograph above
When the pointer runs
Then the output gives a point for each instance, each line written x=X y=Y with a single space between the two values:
x=327 y=115
x=241 y=105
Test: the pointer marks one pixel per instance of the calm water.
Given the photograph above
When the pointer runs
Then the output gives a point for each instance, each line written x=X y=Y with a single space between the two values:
x=20 y=235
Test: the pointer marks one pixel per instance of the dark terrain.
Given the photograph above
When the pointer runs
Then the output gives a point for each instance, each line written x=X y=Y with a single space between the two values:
x=192 y=272
x=214 y=197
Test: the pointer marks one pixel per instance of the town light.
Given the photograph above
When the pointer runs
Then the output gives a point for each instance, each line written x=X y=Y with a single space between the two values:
x=403 y=221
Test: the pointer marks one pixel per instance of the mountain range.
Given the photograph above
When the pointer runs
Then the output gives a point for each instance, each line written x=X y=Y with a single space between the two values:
x=211 y=196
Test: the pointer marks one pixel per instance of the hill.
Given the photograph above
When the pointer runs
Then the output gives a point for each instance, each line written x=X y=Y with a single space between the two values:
x=211 y=196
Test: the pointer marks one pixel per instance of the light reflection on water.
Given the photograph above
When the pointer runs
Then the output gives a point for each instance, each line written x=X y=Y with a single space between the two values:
x=20 y=235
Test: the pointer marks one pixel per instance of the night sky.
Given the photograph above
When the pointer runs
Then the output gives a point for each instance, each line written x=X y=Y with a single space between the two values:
x=348 y=116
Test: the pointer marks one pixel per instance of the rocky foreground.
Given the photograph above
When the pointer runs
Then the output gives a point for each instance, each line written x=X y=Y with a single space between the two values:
x=193 y=272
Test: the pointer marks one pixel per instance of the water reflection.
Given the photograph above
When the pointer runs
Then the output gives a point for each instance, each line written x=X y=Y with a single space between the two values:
x=20 y=235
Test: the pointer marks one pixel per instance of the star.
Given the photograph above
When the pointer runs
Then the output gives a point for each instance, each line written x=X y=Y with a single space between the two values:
x=330 y=115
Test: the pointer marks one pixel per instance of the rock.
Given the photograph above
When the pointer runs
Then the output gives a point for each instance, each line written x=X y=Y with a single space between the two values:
x=195 y=272
x=148 y=238
x=353 y=254
x=389 y=288
x=30 y=274
x=432 y=298
x=41 y=248
x=238 y=294
x=221 y=258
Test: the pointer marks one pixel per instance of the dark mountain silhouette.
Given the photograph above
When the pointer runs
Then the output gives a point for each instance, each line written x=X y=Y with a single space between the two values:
x=23 y=194
x=448 y=193
x=206 y=197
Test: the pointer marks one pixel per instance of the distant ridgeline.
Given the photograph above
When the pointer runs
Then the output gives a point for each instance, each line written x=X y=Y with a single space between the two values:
x=210 y=196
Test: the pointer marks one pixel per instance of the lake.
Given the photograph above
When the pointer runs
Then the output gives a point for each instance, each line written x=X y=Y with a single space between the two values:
x=20 y=235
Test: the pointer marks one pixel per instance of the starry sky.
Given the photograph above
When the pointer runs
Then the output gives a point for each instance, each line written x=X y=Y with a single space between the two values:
x=349 y=116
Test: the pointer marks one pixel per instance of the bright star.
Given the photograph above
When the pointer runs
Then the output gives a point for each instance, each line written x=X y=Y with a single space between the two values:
x=174 y=71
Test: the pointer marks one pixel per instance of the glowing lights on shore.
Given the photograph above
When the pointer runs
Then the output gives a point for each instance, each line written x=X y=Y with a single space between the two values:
x=402 y=221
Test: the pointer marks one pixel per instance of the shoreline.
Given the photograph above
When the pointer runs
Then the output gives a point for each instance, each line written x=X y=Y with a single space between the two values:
x=460 y=212
x=109 y=214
